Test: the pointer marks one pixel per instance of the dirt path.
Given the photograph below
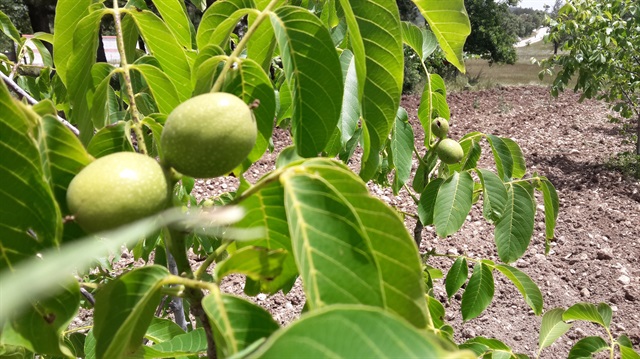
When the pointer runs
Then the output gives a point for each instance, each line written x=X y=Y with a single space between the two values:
x=596 y=257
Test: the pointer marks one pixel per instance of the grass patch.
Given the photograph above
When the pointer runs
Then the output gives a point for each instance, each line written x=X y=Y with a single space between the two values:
x=481 y=75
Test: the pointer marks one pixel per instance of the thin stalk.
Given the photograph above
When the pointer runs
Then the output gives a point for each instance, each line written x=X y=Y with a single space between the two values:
x=243 y=42
x=427 y=129
x=210 y=259
x=272 y=177
x=413 y=196
x=126 y=71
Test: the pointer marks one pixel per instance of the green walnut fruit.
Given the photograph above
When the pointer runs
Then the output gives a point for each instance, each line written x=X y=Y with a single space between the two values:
x=449 y=151
x=440 y=127
x=117 y=189
x=208 y=135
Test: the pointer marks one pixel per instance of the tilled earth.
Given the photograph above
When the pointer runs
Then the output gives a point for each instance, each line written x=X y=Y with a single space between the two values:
x=595 y=257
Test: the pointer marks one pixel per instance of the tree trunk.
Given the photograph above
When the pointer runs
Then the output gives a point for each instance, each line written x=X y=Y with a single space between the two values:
x=39 y=18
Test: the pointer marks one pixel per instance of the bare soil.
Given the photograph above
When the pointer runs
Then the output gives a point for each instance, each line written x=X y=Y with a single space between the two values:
x=595 y=257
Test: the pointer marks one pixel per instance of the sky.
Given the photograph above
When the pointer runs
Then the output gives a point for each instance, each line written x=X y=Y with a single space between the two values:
x=535 y=4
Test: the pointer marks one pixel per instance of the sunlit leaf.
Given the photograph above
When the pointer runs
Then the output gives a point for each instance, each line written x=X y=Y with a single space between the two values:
x=342 y=255
x=356 y=332
x=552 y=327
x=31 y=220
x=525 y=285
x=449 y=21
x=237 y=322
x=586 y=347
x=402 y=149
x=174 y=14
x=585 y=311
x=191 y=343
x=68 y=14
x=111 y=139
x=494 y=195
x=163 y=90
x=255 y=262
x=313 y=71
x=376 y=40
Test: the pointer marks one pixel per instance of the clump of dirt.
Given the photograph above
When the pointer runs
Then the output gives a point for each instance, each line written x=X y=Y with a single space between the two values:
x=595 y=257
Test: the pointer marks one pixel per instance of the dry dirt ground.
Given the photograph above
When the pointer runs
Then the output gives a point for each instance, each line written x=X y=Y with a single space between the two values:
x=596 y=255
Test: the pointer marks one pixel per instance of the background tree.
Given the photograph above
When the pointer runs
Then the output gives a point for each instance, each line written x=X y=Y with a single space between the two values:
x=601 y=52
x=491 y=36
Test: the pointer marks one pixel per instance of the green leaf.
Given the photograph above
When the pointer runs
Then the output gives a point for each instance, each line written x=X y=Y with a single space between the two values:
x=433 y=104
x=9 y=29
x=513 y=231
x=191 y=343
x=313 y=71
x=68 y=15
x=79 y=79
x=479 y=292
x=63 y=157
x=253 y=84
x=219 y=20
x=162 y=89
x=519 y=165
x=257 y=263
x=426 y=166
x=375 y=35
x=587 y=312
x=40 y=327
x=30 y=219
x=166 y=49
x=421 y=41
x=456 y=277
x=525 y=285
x=265 y=208
x=342 y=255
x=100 y=107
x=111 y=139
x=238 y=323
x=449 y=21
x=552 y=328
x=586 y=347
x=453 y=203
x=355 y=332
x=494 y=195
x=45 y=272
x=350 y=114
x=261 y=44
x=503 y=157
x=628 y=353
x=174 y=14
x=162 y=330
x=427 y=203
x=606 y=313
x=551 y=207
x=402 y=149
x=124 y=309
x=90 y=346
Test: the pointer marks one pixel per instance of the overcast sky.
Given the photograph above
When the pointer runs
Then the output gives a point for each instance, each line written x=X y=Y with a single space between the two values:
x=535 y=4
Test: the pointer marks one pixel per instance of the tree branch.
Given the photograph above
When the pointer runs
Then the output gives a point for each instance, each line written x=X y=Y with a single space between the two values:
x=32 y=101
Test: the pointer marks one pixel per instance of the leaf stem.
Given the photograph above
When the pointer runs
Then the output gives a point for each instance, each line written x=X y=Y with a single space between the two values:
x=210 y=259
x=413 y=196
x=126 y=71
x=272 y=177
x=243 y=42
